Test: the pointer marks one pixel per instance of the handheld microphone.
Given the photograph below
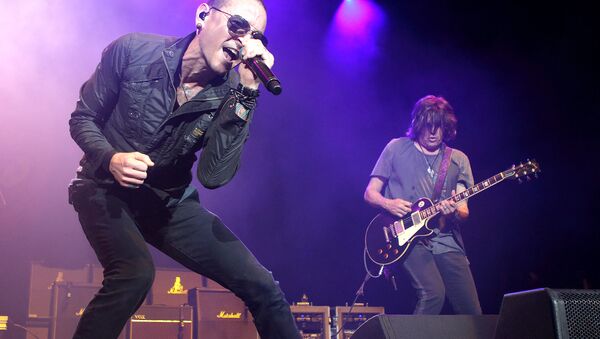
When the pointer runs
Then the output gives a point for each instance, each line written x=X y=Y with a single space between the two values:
x=264 y=73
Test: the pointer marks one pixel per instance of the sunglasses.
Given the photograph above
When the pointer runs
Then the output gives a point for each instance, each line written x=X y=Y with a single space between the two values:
x=239 y=27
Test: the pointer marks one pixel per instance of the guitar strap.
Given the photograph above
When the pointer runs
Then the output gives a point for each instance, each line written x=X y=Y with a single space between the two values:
x=442 y=171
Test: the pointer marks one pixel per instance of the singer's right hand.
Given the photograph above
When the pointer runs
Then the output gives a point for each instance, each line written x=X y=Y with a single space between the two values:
x=129 y=169
x=253 y=48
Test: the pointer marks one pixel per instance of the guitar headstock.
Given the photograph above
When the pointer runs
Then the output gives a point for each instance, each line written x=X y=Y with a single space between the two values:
x=523 y=171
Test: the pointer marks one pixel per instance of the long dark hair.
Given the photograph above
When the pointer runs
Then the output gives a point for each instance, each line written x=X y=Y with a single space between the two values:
x=433 y=112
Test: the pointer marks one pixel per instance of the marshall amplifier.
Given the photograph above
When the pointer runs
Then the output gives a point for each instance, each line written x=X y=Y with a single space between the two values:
x=151 y=321
x=171 y=286
x=352 y=321
x=219 y=314
x=312 y=321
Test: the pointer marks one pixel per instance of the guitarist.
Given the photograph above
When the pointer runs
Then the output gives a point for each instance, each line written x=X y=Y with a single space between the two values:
x=417 y=166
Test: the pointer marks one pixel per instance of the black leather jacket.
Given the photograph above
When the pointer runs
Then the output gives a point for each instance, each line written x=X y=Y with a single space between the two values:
x=127 y=105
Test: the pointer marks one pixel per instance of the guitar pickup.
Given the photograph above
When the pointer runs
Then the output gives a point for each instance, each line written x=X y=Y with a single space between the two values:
x=398 y=227
x=386 y=230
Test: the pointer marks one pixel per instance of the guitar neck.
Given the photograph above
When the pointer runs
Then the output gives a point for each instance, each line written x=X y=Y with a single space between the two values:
x=469 y=192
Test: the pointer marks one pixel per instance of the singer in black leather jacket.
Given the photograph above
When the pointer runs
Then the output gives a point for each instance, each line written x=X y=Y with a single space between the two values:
x=128 y=105
x=150 y=105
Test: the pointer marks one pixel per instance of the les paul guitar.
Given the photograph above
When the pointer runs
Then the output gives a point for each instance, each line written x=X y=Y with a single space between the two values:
x=387 y=238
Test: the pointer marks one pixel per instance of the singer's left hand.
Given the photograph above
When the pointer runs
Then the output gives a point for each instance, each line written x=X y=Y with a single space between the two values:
x=253 y=48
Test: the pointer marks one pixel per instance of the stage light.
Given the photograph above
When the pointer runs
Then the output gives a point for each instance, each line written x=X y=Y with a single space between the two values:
x=358 y=17
x=354 y=31
x=3 y=322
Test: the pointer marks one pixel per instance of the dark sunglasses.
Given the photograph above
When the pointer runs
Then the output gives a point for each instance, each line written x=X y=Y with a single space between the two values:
x=239 y=27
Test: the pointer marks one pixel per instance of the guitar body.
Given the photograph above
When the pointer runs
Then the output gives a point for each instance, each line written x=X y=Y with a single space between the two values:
x=388 y=238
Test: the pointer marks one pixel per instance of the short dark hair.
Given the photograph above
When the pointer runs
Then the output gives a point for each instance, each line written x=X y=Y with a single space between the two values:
x=222 y=3
x=433 y=112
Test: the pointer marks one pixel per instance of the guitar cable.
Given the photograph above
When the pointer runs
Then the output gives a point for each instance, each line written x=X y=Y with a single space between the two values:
x=371 y=275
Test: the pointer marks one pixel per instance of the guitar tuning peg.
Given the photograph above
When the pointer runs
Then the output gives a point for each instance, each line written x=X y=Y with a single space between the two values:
x=535 y=175
x=520 y=180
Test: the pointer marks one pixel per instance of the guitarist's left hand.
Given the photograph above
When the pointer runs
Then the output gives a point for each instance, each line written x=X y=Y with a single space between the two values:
x=447 y=207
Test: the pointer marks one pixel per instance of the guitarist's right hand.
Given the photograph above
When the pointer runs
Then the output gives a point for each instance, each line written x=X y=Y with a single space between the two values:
x=397 y=207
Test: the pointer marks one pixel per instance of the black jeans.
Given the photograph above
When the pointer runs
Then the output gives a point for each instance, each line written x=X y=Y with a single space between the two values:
x=119 y=221
x=437 y=276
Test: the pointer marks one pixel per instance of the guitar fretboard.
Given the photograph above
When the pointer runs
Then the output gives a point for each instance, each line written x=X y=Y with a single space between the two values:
x=480 y=187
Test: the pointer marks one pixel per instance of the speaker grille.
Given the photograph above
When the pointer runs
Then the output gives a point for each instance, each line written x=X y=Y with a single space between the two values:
x=582 y=310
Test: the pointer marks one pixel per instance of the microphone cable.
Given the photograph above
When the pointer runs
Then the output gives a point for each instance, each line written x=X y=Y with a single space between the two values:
x=360 y=291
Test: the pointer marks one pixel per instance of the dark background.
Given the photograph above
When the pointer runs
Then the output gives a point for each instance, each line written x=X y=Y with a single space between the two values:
x=521 y=78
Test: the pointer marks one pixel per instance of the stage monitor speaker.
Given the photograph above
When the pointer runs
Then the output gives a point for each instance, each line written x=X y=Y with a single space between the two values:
x=549 y=313
x=427 y=327
x=219 y=314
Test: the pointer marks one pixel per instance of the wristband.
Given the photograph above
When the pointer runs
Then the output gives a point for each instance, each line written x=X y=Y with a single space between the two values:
x=249 y=92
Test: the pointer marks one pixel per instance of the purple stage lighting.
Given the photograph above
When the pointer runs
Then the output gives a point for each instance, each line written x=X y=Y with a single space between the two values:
x=354 y=31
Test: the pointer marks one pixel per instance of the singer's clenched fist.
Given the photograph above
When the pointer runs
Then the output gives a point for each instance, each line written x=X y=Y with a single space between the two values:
x=129 y=169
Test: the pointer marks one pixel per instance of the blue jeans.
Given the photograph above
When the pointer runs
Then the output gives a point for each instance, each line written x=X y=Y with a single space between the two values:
x=437 y=276
x=118 y=222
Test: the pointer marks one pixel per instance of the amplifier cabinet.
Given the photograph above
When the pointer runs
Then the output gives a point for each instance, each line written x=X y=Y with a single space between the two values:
x=67 y=303
x=37 y=328
x=352 y=321
x=219 y=314
x=312 y=321
x=41 y=279
x=153 y=321
x=171 y=286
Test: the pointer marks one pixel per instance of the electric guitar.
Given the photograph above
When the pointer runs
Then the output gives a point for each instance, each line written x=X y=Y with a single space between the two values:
x=387 y=238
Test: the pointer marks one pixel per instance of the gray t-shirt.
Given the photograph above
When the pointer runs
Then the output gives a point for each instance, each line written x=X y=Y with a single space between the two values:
x=403 y=169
